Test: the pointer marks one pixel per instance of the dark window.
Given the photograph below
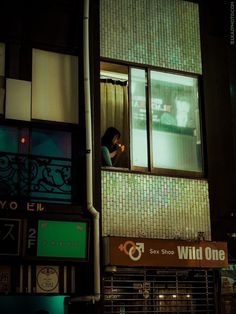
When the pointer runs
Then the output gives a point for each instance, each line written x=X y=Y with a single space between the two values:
x=35 y=164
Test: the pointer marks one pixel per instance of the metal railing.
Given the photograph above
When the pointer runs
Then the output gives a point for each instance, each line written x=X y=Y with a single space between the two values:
x=38 y=178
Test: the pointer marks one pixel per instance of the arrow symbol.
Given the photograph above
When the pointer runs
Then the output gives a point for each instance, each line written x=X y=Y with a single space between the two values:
x=141 y=246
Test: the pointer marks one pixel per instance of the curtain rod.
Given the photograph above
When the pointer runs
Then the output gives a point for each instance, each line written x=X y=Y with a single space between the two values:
x=114 y=80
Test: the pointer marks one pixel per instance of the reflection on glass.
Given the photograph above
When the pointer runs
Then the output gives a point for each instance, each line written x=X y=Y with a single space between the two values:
x=54 y=177
x=51 y=143
x=175 y=122
x=138 y=118
x=8 y=139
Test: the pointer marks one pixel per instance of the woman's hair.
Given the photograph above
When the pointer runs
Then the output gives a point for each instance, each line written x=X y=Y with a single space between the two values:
x=108 y=137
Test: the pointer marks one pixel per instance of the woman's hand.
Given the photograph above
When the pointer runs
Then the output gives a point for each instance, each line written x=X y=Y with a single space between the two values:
x=121 y=148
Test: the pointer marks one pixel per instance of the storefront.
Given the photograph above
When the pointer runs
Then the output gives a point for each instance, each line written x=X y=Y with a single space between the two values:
x=41 y=258
x=228 y=289
x=161 y=276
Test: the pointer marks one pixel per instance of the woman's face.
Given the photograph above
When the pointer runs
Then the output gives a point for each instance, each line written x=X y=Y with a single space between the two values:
x=115 y=139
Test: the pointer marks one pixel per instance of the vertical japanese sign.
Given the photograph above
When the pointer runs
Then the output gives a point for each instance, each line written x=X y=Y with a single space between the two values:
x=5 y=279
x=9 y=236
x=31 y=241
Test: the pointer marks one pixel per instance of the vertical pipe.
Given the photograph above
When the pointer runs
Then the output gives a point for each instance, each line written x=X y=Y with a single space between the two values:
x=89 y=159
x=89 y=162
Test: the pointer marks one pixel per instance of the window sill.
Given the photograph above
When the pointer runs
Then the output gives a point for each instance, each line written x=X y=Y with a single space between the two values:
x=159 y=172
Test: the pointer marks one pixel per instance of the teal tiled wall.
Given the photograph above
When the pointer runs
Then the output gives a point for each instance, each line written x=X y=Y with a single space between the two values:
x=137 y=205
x=163 y=33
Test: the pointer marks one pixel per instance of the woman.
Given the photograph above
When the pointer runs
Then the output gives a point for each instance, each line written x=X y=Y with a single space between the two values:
x=111 y=149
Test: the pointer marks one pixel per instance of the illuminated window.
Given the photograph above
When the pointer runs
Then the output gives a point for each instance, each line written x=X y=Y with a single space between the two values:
x=175 y=127
x=164 y=123
x=138 y=118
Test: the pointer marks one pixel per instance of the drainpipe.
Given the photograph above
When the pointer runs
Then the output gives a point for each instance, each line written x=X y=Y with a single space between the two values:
x=89 y=165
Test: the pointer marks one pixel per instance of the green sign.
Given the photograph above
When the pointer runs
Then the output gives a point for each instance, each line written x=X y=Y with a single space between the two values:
x=65 y=239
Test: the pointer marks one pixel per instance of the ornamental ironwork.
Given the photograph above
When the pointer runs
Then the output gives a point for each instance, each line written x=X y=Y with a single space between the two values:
x=35 y=177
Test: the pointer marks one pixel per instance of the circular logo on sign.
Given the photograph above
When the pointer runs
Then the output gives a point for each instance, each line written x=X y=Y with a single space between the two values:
x=47 y=278
x=133 y=250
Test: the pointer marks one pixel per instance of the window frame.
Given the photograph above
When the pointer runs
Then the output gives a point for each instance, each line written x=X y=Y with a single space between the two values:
x=150 y=169
x=77 y=160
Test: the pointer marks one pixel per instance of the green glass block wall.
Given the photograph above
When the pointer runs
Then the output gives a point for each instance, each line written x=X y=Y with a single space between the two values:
x=163 y=33
x=136 y=205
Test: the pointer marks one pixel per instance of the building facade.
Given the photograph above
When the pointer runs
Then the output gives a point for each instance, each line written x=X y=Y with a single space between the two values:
x=150 y=234
x=43 y=157
x=152 y=60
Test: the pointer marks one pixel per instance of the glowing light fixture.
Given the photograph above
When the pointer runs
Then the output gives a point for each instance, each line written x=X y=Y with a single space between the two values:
x=22 y=139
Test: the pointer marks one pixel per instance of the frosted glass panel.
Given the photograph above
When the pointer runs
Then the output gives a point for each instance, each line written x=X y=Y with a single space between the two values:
x=54 y=87
x=138 y=122
x=2 y=59
x=2 y=78
x=18 y=99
